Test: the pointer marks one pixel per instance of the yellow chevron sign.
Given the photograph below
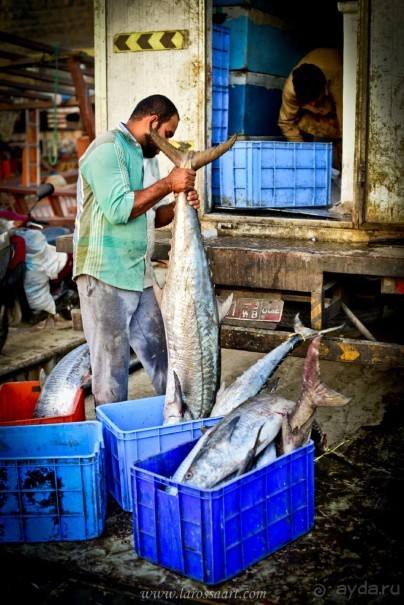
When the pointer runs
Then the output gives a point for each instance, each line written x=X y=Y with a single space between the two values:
x=139 y=41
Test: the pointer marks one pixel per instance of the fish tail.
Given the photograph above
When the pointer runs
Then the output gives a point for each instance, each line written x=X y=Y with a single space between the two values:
x=313 y=387
x=188 y=158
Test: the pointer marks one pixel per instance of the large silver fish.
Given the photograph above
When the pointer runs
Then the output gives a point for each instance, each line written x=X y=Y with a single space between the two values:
x=252 y=380
x=233 y=446
x=190 y=311
x=297 y=426
x=61 y=385
x=186 y=463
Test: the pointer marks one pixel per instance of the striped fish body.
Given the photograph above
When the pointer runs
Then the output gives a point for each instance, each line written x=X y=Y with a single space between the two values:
x=61 y=386
x=191 y=320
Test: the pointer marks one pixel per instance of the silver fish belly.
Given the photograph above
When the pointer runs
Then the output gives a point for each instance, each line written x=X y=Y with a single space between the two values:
x=60 y=388
x=190 y=315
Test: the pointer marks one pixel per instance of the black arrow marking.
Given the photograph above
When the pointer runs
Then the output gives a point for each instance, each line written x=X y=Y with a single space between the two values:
x=120 y=42
x=167 y=39
x=143 y=42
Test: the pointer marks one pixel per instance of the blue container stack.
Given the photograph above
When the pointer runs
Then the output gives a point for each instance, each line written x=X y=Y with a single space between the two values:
x=220 y=95
x=52 y=482
x=211 y=535
x=133 y=430
x=276 y=174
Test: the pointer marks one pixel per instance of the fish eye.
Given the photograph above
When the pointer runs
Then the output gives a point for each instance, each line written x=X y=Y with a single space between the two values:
x=189 y=475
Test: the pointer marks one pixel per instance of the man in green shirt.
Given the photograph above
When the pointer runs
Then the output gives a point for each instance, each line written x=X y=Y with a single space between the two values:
x=118 y=306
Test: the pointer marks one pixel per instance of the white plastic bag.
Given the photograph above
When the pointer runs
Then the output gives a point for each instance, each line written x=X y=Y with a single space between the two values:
x=43 y=263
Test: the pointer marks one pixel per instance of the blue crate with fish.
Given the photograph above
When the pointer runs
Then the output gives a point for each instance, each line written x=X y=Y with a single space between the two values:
x=211 y=535
x=276 y=174
x=133 y=430
x=52 y=482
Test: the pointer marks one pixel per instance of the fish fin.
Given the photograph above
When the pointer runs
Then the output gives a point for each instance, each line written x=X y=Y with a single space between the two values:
x=270 y=386
x=250 y=458
x=232 y=425
x=174 y=410
x=201 y=158
x=300 y=328
x=313 y=387
x=42 y=377
x=158 y=292
x=220 y=392
x=224 y=307
x=178 y=157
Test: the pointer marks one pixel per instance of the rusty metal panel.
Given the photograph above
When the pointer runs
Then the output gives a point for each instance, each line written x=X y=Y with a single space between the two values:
x=385 y=153
x=364 y=352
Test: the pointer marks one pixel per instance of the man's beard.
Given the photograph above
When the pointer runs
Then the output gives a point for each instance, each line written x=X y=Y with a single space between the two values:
x=149 y=149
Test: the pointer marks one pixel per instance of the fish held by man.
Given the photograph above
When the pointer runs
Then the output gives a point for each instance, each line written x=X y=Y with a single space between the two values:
x=252 y=380
x=61 y=385
x=190 y=310
x=235 y=444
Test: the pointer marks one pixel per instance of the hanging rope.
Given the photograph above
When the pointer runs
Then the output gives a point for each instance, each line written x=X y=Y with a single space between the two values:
x=53 y=147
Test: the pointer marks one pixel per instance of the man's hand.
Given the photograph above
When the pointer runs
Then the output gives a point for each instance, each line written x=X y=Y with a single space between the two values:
x=181 y=179
x=193 y=199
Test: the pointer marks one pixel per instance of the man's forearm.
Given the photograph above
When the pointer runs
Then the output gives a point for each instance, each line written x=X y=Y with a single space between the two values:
x=144 y=199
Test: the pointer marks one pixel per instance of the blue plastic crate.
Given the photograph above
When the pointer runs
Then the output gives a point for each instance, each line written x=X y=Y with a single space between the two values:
x=261 y=43
x=220 y=113
x=213 y=535
x=133 y=430
x=254 y=103
x=220 y=55
x=275 y=174
x=52 y=482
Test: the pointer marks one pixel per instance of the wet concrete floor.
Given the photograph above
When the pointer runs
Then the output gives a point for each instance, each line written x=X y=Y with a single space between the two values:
x=353 y=554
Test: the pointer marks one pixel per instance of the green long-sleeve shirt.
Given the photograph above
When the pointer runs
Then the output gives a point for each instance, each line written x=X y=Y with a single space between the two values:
x=108 y=244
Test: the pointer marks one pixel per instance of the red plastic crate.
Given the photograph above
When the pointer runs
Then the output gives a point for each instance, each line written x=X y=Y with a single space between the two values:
x=18 y=401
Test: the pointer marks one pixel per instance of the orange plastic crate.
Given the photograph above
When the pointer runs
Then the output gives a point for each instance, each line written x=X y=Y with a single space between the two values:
x=18 y=401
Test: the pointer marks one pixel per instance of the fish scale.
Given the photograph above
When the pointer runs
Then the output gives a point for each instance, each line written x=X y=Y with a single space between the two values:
x=61 y=385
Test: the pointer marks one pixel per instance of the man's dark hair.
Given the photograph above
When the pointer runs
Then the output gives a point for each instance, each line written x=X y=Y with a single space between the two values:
x=309 y=82
x=159 y=105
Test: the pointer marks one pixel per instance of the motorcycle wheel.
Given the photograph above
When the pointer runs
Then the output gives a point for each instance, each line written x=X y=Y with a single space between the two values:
x=3 y=326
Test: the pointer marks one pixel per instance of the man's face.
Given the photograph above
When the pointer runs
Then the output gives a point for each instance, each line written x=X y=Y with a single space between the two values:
x=166 y=130
x=317 y=101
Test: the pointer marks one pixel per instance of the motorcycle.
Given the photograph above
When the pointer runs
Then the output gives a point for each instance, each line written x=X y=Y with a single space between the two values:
x=15 y=231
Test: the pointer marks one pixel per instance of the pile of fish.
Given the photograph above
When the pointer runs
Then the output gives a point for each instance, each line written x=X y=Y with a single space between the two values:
x=258 y=430
x=253 y=417
x=59 y=388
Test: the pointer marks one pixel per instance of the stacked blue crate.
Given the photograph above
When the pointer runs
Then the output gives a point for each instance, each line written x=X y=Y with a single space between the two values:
x=220 y=95
x=275 y=174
